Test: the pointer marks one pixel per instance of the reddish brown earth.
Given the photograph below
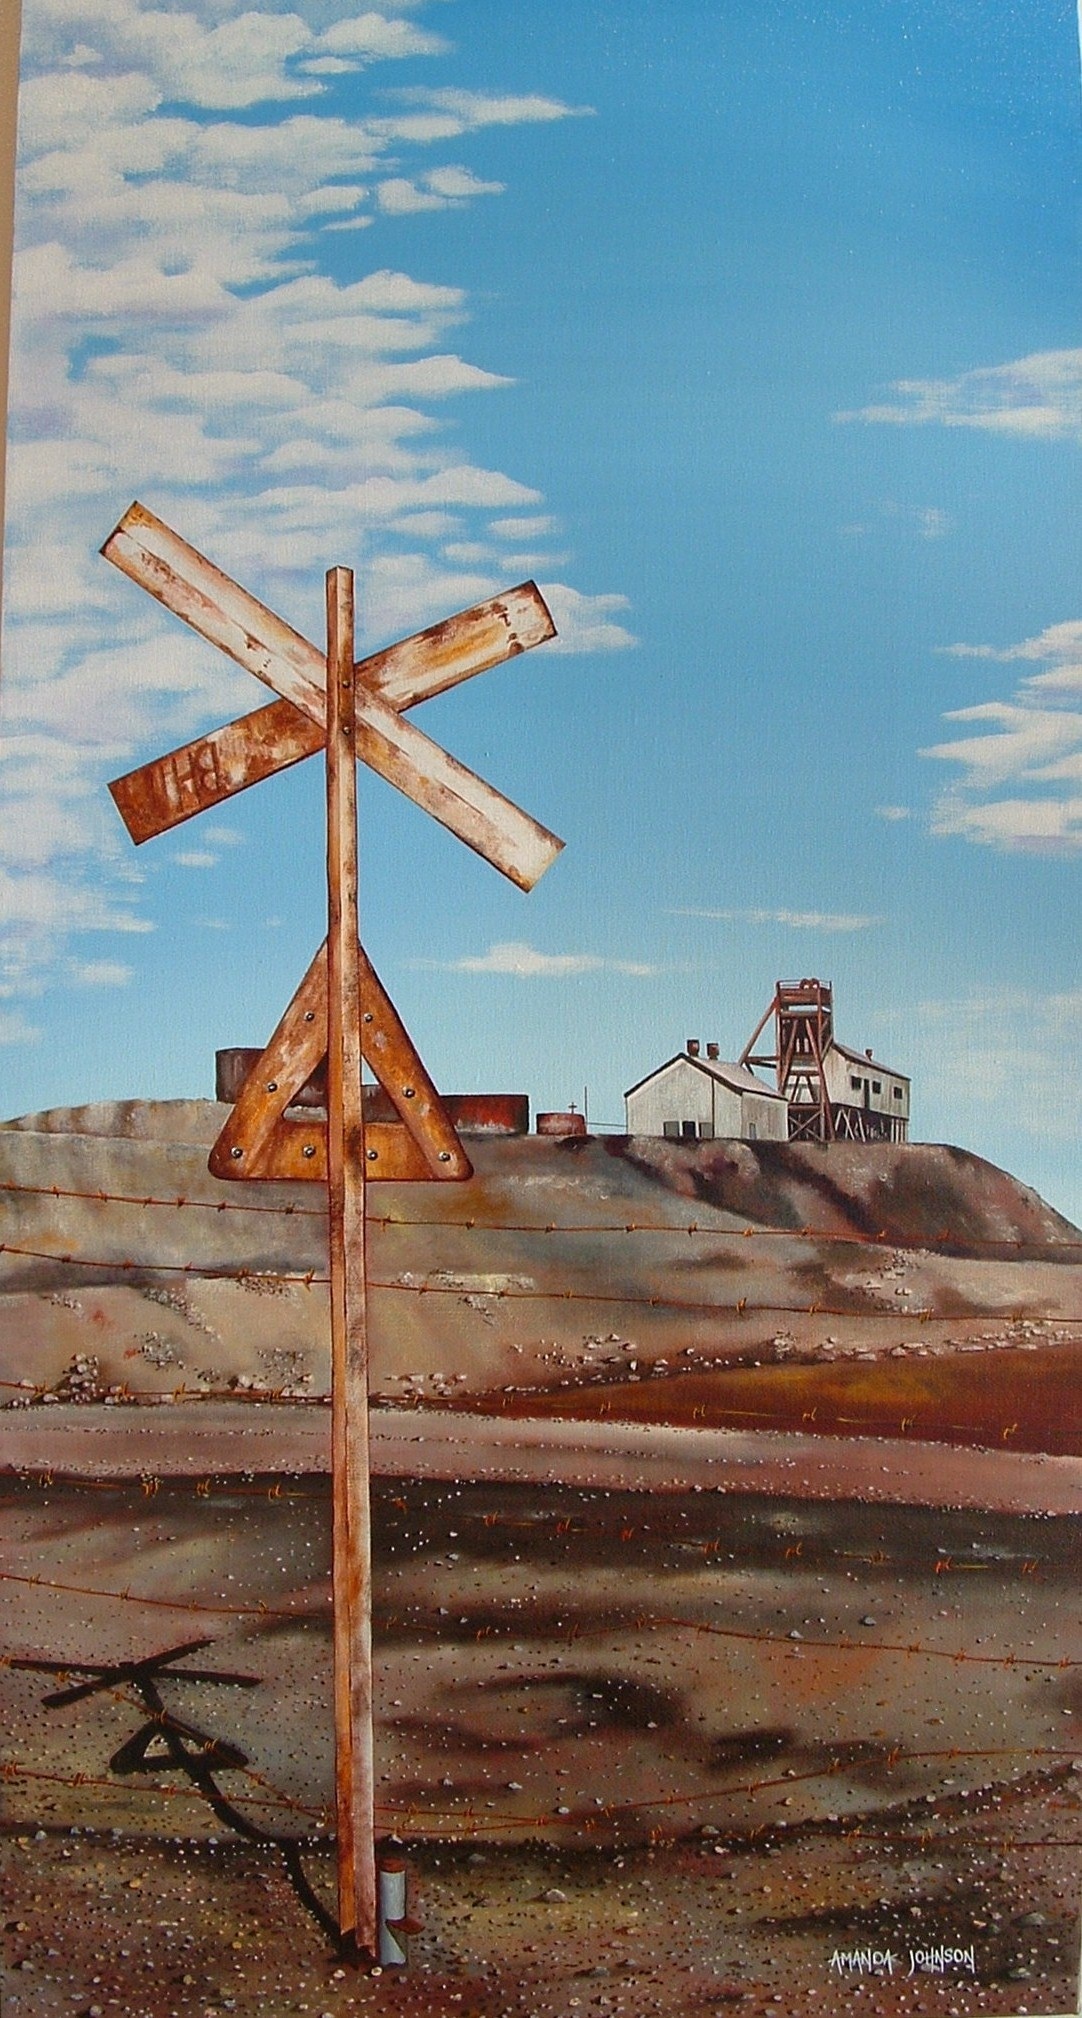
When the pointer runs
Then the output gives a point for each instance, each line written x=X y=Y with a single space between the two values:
x=912 y=1195
x=648 y=1752
x=690 y=1930
x=848 y=1291
x=670 y=1710
x=1007 y=1400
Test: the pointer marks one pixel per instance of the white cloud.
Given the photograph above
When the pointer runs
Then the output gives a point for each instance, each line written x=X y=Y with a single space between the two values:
x=425 y=525
x=195 y=858
x=532 y=563
x=929 y=522
x=44 y=901
x=239 y=62
x=399 y=197
x=804 y=921
x=479 y=108
x=892 y=813
x=1019 y=789
x=440 y=189
x=585 y=623
x=1037 y=397
x=933 y=524
x=522 y=528
x=457 y=184
x=176 y=338
x=1021 y=742
x=515 y=957
x=100 y=973
x=326 y=66
x=375 y=35
x=1014 y=826
x=1061 y=644
x=14 y=1028
x=473 y=552
x=973 y=1057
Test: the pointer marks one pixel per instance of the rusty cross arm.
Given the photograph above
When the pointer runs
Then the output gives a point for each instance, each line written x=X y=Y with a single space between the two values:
x=161 y=794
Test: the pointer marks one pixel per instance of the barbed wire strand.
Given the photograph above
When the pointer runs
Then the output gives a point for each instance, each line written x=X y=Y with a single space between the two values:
x=412 y=1813
x=10 y=1769
x=119 y=1395
x=177 y=1203
x=741 y=1308
x=850 y=1238
x=205 y=1271
x=259 y=1610
x=641 y=1622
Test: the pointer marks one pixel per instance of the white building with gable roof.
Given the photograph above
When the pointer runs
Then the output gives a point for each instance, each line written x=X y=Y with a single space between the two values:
x=692 y=1098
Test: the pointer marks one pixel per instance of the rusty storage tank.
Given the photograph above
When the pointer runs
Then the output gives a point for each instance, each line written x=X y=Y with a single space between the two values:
x=569 y=1123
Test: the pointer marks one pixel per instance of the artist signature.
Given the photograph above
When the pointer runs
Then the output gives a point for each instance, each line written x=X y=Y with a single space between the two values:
x=884 y=1961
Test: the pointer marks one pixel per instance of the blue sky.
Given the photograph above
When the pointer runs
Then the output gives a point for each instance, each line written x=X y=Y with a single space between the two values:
x=749 y=329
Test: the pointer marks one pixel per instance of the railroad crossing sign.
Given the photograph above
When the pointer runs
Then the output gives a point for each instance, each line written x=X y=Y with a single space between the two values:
x=257 y=1141
x=162 y=794
x=341 y=1010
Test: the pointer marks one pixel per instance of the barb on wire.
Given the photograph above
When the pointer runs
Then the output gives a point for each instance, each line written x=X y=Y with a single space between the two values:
x=101 y=1197
x=853 y=1237
x=643 y=1620
x=158 y=1604
x=741 y=1307
x=205 y=1271
x=407 y=1819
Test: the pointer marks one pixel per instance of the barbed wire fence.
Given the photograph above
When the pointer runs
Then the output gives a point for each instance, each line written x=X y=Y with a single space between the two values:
x=464 y=1822
x=811 y=1648
x=850 y=1237
x=141 y=1269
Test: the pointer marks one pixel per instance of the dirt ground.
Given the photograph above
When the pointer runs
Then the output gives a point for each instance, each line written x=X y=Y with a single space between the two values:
x=675 y=1712
x=185 y=1927
x=761 y=1286
x=682 y=1753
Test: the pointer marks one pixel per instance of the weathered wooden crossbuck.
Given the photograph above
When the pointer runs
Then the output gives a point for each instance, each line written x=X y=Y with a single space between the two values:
x=340 y=1012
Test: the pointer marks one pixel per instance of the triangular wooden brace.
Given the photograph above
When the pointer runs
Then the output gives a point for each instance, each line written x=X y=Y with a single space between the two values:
x=257 y=1142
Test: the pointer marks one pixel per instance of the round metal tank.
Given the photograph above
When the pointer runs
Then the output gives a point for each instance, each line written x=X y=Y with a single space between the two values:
x=561 y=1124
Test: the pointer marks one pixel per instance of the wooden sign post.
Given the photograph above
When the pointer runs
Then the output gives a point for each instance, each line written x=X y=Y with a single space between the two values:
x=340 y=1012
x=352 y=1543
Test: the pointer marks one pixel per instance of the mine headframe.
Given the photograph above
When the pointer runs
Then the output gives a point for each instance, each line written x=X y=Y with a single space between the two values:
x=803 y=1016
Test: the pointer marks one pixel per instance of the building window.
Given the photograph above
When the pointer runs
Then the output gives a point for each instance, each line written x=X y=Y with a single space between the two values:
x=877 y=1086
x=855 y=1084
x=753 y=1132
x=897 y=1093
x=687 y=1130
x=706 y=1131
x=671 y=1129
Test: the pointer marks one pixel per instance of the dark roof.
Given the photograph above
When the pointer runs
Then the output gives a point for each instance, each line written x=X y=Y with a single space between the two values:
x=862 y=1058
x=736 y=1077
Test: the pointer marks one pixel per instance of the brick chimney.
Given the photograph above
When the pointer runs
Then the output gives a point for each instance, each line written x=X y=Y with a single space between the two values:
x=713 y=1050
x=693 y=1047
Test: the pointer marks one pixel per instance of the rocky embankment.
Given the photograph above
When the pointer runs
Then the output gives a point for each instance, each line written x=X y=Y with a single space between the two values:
x=853 y=1290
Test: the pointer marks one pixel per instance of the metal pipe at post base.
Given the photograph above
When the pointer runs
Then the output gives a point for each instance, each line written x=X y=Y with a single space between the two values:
x=394 y=1925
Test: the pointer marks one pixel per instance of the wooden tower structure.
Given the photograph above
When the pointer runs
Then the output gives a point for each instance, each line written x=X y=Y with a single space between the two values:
x=803 y=1017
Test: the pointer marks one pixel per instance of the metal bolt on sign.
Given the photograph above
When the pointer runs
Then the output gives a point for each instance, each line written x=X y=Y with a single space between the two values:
x=341 y=1012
